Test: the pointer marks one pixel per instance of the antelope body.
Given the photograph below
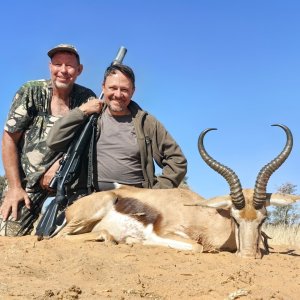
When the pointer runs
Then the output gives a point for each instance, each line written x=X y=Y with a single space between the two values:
x=179 y=218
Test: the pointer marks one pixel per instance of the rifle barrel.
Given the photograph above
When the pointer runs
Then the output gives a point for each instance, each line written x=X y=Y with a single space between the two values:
x=118 y=60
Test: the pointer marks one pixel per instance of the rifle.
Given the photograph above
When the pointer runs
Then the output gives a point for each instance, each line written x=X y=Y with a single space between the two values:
x=68 y=168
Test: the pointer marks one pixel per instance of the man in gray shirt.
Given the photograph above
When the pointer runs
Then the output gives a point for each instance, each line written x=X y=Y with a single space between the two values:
x=129 y=140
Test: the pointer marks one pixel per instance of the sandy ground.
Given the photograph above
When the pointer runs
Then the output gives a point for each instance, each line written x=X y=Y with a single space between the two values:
x=59 y=269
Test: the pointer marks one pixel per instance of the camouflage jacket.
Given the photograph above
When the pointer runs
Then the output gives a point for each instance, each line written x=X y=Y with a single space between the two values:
x=30 y=113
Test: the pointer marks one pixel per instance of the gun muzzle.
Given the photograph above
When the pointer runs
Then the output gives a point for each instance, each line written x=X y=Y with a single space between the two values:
x=120 y=56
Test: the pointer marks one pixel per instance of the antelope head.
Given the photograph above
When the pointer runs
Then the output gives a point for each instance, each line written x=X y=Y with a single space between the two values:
x=248 y=207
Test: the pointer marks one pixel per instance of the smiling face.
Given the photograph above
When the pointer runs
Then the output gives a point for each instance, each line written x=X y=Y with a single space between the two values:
x=118 y=90
x=64 y=69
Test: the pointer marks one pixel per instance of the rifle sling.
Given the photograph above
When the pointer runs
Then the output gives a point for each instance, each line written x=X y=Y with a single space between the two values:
x=91 y=159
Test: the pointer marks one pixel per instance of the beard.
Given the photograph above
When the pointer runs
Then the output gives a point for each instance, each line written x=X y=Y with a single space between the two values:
x=61 y=85
x=113 y=108
x=116 y=108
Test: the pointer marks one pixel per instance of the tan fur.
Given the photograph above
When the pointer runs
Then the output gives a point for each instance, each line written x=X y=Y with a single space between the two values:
x=180 y=220
x=248 y=213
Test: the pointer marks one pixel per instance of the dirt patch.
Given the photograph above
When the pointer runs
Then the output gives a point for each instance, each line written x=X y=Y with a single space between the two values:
x=59 y=269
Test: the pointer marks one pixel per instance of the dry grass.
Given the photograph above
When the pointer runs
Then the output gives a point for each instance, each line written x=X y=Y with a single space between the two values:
x=283 y=235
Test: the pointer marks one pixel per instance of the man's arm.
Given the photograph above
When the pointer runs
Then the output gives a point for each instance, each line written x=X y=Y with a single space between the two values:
x=169 y=156
x=64 y=130
x=48 y=175
x=15 y=193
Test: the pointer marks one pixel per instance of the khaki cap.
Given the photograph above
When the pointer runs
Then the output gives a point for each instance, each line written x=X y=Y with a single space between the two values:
x=62 y=48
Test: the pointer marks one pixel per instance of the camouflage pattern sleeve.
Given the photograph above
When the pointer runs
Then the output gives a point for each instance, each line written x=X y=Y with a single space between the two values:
x=19 y=115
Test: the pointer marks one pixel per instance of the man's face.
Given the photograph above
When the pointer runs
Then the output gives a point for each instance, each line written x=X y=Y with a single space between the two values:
x=118 y=90
x=64 y=69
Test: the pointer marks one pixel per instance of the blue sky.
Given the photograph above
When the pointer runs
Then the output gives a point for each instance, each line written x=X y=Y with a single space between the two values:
x=233 y=65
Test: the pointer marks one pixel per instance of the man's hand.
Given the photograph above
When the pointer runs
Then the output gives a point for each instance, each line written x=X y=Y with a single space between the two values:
x=49 y=174
x=91 y=107
x=11 y=202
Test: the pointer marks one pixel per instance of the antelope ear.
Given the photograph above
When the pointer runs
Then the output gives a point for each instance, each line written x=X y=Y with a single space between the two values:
x=219 y=202
x=278 y=199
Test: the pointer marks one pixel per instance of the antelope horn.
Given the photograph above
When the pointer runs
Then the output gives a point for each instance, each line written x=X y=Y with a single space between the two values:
x=260 y=194
x=236 y=192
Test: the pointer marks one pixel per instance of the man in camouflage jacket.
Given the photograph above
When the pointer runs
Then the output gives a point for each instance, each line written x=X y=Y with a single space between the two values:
x=28 y=162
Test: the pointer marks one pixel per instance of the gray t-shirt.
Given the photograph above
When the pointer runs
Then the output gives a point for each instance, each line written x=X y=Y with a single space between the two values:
x=118 y=155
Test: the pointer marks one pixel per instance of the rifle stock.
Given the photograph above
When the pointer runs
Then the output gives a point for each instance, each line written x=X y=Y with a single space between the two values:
x=67 y=170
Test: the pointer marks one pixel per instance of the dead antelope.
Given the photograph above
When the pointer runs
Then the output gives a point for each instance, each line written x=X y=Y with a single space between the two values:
x=179 y=218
